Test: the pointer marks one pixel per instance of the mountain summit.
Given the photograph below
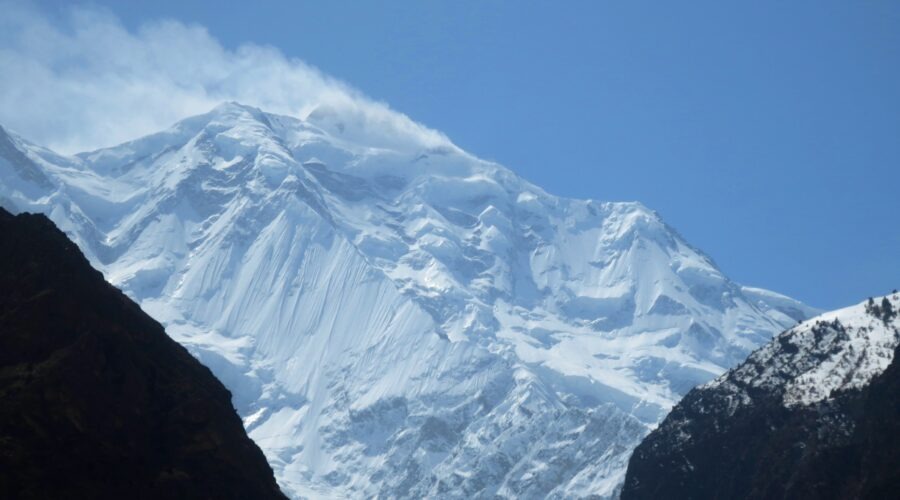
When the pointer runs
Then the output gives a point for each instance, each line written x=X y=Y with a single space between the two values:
x=401 y=318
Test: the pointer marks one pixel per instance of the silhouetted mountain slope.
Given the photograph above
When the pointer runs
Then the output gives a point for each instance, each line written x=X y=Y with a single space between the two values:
x=813 y=414
x=96 y=401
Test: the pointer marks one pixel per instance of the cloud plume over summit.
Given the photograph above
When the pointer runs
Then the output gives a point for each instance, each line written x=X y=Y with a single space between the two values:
x=83 y=80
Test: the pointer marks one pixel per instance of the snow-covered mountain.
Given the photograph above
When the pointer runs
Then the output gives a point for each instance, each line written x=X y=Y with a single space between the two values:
x=395 y=316
x=813 y=414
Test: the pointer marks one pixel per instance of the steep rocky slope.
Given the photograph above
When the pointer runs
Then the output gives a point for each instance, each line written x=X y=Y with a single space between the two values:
x=96 y=401
x=813 y=414
x=393 y=315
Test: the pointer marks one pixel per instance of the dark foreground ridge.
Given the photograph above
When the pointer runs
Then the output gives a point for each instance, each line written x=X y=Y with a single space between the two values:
x=96 y=401
x=738 y=439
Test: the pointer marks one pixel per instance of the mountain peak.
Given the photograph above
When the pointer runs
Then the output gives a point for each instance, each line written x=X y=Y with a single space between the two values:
x=366 y=286
x=234 y=106
x=232 y=112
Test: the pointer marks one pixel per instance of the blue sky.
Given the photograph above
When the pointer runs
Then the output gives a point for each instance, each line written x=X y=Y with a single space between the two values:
x=767 y=133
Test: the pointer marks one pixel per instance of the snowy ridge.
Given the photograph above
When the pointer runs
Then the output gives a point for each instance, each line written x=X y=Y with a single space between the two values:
x=836 y=351
x=813 y=413
x=401 y=319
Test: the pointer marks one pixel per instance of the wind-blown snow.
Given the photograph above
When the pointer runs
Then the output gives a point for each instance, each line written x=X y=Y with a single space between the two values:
x=396 y=319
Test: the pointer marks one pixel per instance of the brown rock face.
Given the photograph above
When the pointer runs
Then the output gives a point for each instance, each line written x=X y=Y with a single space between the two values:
x=96 y=401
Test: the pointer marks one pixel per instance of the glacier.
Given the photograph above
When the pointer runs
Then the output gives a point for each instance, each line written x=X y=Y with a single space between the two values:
x=399 y=318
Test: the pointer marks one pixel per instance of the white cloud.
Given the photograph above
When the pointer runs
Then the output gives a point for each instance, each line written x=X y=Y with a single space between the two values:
x=86 y=81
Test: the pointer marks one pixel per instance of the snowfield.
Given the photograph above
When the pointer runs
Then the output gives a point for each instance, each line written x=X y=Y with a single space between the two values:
x=396 y=318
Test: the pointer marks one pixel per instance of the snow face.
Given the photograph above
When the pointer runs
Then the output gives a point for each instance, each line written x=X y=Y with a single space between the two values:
x=397 y=320
x=833 y=352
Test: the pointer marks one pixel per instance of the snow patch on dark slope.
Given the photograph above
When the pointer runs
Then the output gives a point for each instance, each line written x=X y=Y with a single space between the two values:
x=815 y=413
x=401 y=318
